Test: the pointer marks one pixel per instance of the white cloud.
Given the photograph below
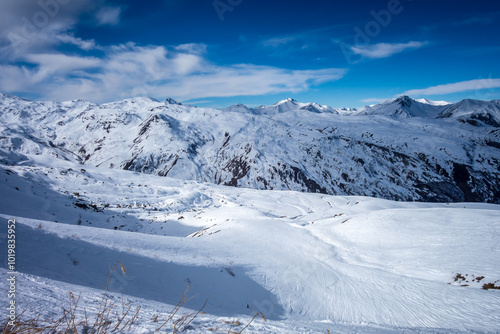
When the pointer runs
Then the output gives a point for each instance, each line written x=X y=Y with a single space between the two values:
x=14 y=79
x=187 y=63
x=279 y=41
x=384 y=50
x=33 y=66
x=246 y=79
x=60 y=64
x=52 y=72
x=128 y=70
x=28 y=26
x=82 y=44
x=108 y=15
x=193 y=48
x=130 y=59
x=457 y=87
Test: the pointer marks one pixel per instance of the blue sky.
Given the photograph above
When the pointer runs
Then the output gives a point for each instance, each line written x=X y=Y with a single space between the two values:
x=215 y=53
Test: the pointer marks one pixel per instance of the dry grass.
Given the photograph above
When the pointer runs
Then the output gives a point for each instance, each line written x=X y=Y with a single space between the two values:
x=183 y=321
x=68 y=323
x=109 y=317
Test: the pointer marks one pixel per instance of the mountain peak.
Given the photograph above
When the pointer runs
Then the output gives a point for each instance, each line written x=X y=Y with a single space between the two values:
x=170 y=100
x=404 y=101
x=285 y=101
x=237 y=107
x=11 y=97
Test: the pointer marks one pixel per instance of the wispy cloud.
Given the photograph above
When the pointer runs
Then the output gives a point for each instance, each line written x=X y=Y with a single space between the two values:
x=284 y=46
x=33 y=64
x=457 y=87
x=81 y=43
x=195 y=101
x=21 y=34
x=484 y=18
x=384 y=50
x=314 y=39
x=47 y=72
x=58 y=64
x=129 y=70
x=279 y=41
x=193 y=48
x=478 y=19
x=373 y=100
x=108 y=15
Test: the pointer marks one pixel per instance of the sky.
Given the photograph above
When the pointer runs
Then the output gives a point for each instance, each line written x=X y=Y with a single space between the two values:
x=215 y=53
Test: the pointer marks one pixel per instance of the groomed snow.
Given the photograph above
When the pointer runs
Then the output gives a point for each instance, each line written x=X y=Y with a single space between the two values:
x=309 y=262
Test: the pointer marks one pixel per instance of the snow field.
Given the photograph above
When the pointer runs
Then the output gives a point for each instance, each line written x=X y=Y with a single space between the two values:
x=308 y=262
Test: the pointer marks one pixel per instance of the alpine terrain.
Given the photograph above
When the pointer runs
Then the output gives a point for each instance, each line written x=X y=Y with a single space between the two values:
x=289 y=218
x=401 y=149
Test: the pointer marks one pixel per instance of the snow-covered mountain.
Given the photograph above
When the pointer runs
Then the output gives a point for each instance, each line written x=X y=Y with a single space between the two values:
x=474 y=112
x=93 y=187
x=401 y=149
x=404 y=107
x=286 y=106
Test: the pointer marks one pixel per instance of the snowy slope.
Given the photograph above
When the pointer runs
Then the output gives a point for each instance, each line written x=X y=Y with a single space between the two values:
x=474 y=112
x=308 y=262
x=396 y=150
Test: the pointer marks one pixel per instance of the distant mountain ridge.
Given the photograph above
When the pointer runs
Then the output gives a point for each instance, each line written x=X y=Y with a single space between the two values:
x=403 y=106
x=287 y=105
x=474 y=112
x=402 y=149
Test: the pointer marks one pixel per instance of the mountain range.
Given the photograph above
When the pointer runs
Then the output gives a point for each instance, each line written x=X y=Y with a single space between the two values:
x=401 y=149
x=88 y=188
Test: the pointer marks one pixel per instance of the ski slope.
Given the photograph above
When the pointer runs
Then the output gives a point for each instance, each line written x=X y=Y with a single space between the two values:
x=308 y=262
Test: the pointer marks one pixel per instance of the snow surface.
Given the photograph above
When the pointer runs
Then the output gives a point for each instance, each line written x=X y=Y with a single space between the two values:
x=309 y=262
